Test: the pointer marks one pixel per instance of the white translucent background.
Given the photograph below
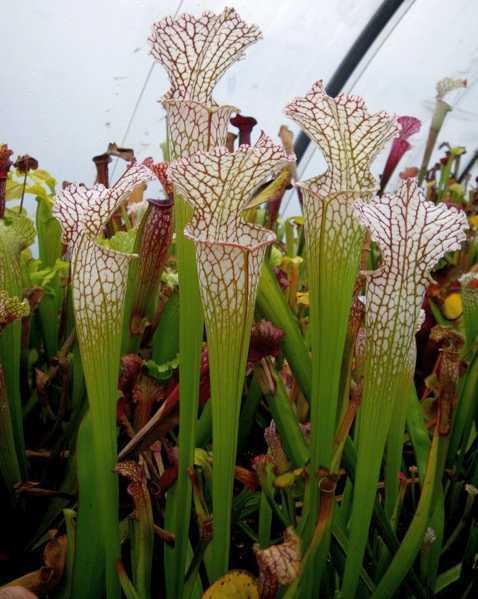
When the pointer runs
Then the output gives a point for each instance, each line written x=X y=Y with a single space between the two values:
x=77 y=75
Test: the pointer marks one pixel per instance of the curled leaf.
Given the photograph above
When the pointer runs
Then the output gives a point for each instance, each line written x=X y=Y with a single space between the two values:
x=135 y=473
x=153 y=241
x=409 y=126
x=265 y=341
x=47 y=578
x=446 y=85
x=278 y=564
x=274 y=443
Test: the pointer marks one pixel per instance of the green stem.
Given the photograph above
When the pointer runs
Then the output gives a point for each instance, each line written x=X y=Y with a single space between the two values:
x=88 y=573
x=272 y=303
x=394 y=453
x=265 y=521
x=287 y=423
x=413 y=540
x=248 y=413
x=227 y=360
x=430 y=558
x=126 y=584
x=441 y=110
x=331 y=283
x=463 y=419
x=99 y=343
x=9 y=466
x=447 y=578
x=10 y=342
x=375 y=416
x=103 y=416
x=444 y=178
x=191 y=326
x=380 y=520
x=320 y=537
x=69 y=516
x=418 y=433
x=142 y=543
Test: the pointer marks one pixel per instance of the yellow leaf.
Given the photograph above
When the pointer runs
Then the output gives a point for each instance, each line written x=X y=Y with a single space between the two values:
x=272 y=191
x=473 y=220
x=453 y=306
x=136 y=195
x=236 y=584
x=303 y=298
x=294 y=262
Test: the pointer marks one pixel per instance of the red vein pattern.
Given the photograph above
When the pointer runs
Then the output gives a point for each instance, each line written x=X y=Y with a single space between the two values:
x=99 y=274
x=99 y=281
x=278 y=564
x=218 y=185
x=229 y=252
x=195 y=127
x=81 y=209
x=137 y=483
x=156 y=232
x=229 y=255
x=349 y=137
x=196 y=51
x=413 y=234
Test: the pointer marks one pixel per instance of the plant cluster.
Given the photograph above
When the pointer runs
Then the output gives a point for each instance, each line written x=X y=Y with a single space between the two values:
x=199 y=398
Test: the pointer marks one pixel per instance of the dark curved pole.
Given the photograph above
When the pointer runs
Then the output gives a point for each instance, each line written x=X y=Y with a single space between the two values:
x=468 y=167
x=353 y=57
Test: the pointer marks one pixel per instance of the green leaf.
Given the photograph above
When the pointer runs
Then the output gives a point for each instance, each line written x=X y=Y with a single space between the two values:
x=166 y=337
x=49 y=231
x=16 y=233
x=164 y=371
x=121 y=241
x=44 y=177
x=99 y=279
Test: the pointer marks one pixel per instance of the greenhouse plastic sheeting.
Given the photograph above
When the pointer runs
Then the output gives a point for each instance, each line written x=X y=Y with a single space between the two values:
x=78 y=75
x=432 y=40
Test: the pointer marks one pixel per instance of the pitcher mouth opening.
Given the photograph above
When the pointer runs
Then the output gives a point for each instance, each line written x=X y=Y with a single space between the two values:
x=267 y=236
